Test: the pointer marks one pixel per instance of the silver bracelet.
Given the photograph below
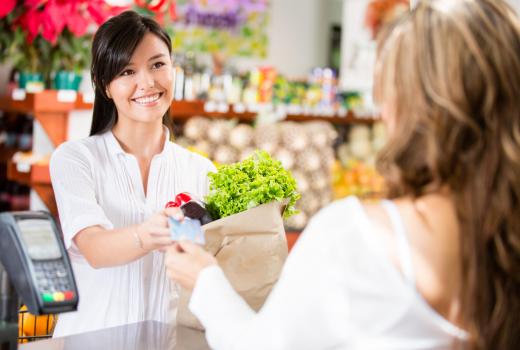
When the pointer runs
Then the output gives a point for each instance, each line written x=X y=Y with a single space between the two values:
x=138 y=241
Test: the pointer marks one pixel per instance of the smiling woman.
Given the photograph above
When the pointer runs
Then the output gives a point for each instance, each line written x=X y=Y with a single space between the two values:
x=142 y=92
x=111 y=187
x=131 y=71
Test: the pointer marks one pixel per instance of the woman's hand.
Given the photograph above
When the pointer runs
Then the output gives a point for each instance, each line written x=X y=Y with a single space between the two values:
x=154 y=233
x=185 y=260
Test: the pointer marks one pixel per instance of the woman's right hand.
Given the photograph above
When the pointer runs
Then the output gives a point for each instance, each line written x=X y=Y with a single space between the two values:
x=154 y=233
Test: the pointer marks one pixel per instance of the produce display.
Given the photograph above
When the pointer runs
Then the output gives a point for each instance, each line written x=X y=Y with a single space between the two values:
x=356 y=178
x=354 y=171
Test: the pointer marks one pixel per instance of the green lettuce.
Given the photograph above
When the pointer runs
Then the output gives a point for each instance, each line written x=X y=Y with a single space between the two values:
x=258 y=179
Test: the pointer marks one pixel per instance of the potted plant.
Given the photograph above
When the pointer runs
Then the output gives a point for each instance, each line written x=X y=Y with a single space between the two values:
x=50 y=38
x=68 y=59
x=27 y=60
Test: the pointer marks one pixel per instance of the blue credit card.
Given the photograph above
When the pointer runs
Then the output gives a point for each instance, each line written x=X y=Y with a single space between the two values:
x=187 y=229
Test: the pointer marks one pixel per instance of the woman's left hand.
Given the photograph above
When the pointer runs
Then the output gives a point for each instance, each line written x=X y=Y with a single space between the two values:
x=185 y=260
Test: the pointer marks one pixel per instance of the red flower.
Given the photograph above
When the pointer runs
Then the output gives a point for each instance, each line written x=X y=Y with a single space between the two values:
x=31 y=21
x=6 y=6
x=50 y=17
x=159 y=8
x=378 y=12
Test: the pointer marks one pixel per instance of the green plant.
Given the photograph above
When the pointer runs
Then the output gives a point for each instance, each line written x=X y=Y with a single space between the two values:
x=27 y=58
x=71 y=53
x=14 y=48
x=257 y=180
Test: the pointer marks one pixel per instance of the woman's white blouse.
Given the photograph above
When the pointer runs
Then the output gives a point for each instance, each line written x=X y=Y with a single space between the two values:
x=96 y=183
x=338 y=290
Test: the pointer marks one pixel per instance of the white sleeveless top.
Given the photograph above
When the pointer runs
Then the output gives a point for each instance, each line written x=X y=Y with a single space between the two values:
x=338 y=290
x=96 y=183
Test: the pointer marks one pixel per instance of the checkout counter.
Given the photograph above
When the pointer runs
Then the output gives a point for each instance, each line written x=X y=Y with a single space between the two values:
x=148 y=335
x=35 y=267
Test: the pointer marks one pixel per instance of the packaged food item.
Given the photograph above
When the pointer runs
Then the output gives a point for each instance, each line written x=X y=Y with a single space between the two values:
x=191 y=207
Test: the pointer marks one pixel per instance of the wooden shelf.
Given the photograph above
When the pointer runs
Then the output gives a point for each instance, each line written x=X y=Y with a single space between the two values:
x=48 y=110
x=38 y=174
x=183 y=110
x=38 y=178
x=14 y=175
x=6 y=153
x=45 y=101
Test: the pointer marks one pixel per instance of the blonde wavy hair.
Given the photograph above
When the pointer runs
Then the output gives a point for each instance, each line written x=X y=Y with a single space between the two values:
x=451 y=71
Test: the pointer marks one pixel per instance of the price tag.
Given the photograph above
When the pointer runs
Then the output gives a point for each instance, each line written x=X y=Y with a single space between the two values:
x=88 y=97
x=34 y=86
x=265 y=108
x=67 y=96
x=239 y=108
x=294 y=109
x=308 y=110
x=222 y=107
x=18 y=95
x=210 y=106
x=328 y=111
x=253 y=108
x=23 y=167
x=281 y=111
x=342 y=112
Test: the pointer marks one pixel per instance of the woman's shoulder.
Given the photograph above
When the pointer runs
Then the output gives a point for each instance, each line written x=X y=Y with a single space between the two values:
x=343 y=219
x=349 y=209
x=79 y=150
x=339 y=233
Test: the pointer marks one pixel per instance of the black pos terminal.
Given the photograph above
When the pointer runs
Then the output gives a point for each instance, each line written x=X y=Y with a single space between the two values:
x=34 y=267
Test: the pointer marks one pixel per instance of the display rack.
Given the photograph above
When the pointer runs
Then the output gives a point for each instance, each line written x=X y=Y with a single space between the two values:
x=183 y=110
x=48 y=109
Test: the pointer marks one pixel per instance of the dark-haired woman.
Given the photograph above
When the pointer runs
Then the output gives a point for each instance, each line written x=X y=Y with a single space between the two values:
x=437 y=266
x=111 y=187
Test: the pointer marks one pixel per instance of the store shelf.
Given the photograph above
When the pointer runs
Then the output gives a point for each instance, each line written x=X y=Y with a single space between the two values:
x=48 y=108
x=6 y=153
x=45 y=101
x=38 y=174
x=13 y=174
x=38 y=178
x=183 y=110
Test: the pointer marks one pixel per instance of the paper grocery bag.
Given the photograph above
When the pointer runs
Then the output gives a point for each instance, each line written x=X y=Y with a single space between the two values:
x=251 y=248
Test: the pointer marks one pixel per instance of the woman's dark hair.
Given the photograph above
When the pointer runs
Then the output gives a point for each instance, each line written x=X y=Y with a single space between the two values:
x=114 y=43
x=451 y=71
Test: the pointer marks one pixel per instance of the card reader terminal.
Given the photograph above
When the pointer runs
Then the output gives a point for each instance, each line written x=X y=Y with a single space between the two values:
x=34 y=257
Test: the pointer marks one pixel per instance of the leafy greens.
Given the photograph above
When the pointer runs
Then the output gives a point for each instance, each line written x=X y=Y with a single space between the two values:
x=257 y=180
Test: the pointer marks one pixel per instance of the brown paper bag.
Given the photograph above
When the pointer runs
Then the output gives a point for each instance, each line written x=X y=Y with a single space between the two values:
x=251 y=249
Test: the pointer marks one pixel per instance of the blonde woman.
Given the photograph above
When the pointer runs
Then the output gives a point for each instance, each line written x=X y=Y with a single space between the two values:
x=437 y=265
